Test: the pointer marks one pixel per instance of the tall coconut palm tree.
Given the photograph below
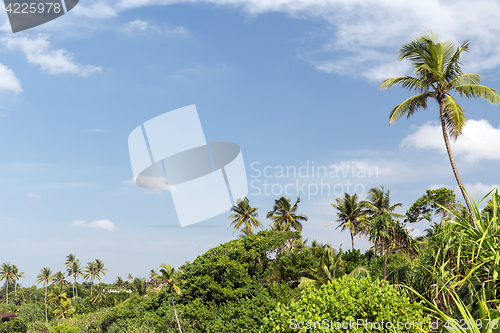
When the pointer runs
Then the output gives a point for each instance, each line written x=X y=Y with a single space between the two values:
x=73 y=269
x=438 y=73
x=90 y=273
x=244 y=215
x=378 y=201
x=6 y=272
x=17 y=275
x=58 y=279
x=170 y=278
x=45 y=276
x=284 y=215
x=352 y=215
x=99 y=264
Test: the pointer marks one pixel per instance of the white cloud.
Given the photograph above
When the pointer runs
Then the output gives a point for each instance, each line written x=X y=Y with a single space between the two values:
x=479 y=190
x=479 y=140
x=38 y=52
x=364 y=35
x=134 y=26
x=8 y=80
x=33 y=196
x=99 y=224
x=97 y=10
x=138 y=26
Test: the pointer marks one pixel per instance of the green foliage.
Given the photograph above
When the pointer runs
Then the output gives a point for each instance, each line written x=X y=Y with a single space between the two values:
x=353 y=259
x=31 y=312
x=64 y=328
x=16 y=325
x=430 y=204
x=343 y=300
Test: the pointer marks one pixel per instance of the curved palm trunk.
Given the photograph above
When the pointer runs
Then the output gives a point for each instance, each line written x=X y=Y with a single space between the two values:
x=46 y=317
x=352 y=240
x=452 y=160
x=175 y=311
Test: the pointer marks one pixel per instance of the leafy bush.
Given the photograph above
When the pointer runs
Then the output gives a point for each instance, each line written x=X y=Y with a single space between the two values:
x=363 y=305
x=16 y=325
x=31 y=312
x=64 y=328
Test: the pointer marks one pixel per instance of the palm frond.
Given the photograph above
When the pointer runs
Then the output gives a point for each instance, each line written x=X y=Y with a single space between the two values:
x=454 y=117
x=407 y=82
x=408 y=107
x=477 y=90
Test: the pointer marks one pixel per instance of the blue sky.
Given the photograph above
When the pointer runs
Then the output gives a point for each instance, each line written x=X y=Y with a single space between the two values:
x=291 y=82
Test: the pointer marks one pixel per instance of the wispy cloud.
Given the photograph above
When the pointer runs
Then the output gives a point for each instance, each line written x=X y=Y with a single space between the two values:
x=96 y=10
x=38 y=52
x=363 y=35
x=134 y=26
x=99 y=224
x=8 y=80
x=33 y=196
x=139 y=26
x=97 y=130
x=478 y=141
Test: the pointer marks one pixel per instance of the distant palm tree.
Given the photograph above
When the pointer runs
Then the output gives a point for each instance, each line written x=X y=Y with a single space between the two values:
x=438 y=74
x=329 y=266
x=58 y=279
x=284 y=215
x=58 y=296
x=99 y=296
x=90 y=273
x=169 y=277
x=244 y=215
x=388 y=235
x=152 y=274
x=17 y=275
x=352 y=215
x=7 y=273
x=139 y=285
x=74 y=271
x=378 y=202
x=45 y=276
x=99 y=264
x=130 y=277
x=120 y=283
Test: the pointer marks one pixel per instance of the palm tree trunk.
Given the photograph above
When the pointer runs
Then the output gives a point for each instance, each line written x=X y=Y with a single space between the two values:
x=385 y=263
x=62 y=312
x=175 y=312
x=352 y=240
x=46 y=317
x=7 y=290
x=452 y=160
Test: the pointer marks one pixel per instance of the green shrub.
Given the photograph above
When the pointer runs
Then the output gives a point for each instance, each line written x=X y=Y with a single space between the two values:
x=16 y=325
x=363 y=305
x=64 y=328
